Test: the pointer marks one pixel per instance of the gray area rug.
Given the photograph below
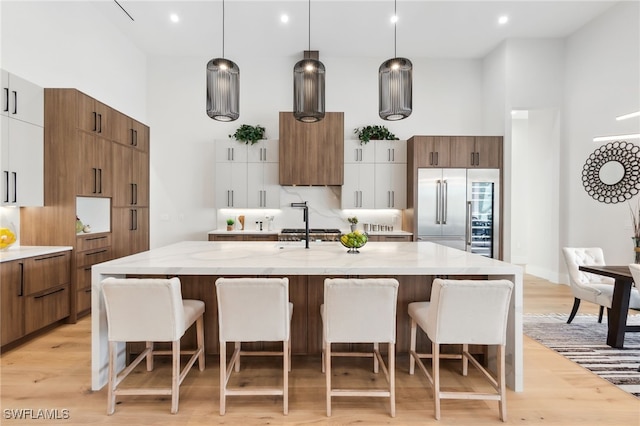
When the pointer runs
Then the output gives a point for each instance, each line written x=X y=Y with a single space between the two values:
x=584 y=342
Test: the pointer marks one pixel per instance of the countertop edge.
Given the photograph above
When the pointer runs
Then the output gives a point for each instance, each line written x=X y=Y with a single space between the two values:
x=23 y=252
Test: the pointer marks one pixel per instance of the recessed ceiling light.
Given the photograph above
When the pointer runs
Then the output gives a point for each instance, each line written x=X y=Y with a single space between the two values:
x=284 y=18
x=394 y=19
x=503 y=19
x=174 y=17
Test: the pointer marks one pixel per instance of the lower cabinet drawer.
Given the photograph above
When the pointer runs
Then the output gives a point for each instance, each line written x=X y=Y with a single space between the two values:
x=46 y=307
x=91 y=257
x=83 y=300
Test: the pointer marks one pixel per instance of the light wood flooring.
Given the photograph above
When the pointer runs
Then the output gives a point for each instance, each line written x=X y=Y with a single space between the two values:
x=52 y=372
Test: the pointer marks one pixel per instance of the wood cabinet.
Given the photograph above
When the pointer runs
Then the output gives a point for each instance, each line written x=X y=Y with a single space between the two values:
x=311 y=153
x=11 y=301
x=34 y=294
x=392 y=238
x=247 y=237
x=130 y=177
x=93 y=116
x=431 y=151
x=94 y=154
x=21 y=142
x=476 y=151
x=94 y=172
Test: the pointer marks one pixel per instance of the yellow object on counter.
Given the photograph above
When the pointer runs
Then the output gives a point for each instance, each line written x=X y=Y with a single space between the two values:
x=7 y=238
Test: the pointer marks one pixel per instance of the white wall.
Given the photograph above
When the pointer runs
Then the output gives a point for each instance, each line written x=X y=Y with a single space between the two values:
x=602 y=69
x=69 y=44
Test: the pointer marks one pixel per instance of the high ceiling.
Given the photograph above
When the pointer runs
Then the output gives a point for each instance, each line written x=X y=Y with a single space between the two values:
x=442 y=29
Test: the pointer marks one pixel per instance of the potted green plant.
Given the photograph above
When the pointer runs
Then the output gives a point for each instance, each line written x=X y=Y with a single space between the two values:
x=247 y=133
x=367 y=133
x=353 y=221
x=230 y=223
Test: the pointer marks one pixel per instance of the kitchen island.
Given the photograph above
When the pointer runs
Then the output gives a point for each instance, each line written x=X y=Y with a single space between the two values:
x=199 y=263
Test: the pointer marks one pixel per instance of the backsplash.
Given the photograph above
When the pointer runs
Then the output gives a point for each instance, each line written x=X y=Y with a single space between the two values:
x=324 y=211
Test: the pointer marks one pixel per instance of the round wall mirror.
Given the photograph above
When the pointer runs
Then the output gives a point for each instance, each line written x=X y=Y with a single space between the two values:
x=611 y=174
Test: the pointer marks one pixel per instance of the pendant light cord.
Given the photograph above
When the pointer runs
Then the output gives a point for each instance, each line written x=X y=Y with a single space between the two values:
x=395 y=29
x=223 y=28
x=309 y=25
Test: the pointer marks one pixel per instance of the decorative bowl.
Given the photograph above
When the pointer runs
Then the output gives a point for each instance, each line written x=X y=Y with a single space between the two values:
x=354 y=240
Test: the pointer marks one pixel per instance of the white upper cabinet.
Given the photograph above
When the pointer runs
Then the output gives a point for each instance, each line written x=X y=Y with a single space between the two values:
x=22 y=100
x=390 y=151
x=247 y=175
x=354 y=152
x=375 y=175
x=21 y=142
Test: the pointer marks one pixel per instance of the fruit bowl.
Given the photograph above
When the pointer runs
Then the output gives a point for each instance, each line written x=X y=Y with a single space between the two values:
x=353 y=241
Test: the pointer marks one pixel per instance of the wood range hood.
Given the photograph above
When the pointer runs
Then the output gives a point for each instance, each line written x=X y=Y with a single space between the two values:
x=311 y=154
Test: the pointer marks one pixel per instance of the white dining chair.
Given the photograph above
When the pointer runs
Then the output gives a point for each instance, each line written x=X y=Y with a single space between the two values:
x=253 y=310
x=463 y=312
x=150 y=310
x=360 y=311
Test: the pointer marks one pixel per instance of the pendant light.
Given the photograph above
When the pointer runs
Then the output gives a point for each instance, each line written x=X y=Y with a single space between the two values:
x=308 y=85
x=395 y=84
x=223 y=86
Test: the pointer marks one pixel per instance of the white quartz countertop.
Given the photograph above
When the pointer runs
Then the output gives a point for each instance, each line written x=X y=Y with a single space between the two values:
x=22 y=252
x=322 y=258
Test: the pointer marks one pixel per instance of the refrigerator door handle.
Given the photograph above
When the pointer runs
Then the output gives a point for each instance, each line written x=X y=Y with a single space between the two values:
x=438 y=200
x=445 y=201
x=468 y=227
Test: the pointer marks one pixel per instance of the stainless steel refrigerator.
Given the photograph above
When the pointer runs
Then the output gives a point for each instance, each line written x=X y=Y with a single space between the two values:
x=459 y=208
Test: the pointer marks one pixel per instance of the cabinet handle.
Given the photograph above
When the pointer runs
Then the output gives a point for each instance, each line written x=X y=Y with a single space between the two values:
x=99 y=123
x=393 y=155
x=15 y=102
x=6 y=186
x=95 y=121
x=96 y=252
x=388 y=154
x=132 y=137
x=38 y=259
x=88 y=290
x=15 y=186
x=135 y=139
x=21 y=293
x=50 y=293
x=360 y=154
x=360 y=198
x=232 y=154
x=477 y=158
x=132 y=199
x=6 y=94
x=93 y=239
x=100 y=176
x=135 y=185
x=135 y=215
x=437 y=157
x=393 y=198
x=95 y=179
x=472 y=158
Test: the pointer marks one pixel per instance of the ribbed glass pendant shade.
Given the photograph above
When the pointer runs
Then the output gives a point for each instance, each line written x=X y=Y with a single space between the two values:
x=395 y=89
x=308 y=90
x=223 y=90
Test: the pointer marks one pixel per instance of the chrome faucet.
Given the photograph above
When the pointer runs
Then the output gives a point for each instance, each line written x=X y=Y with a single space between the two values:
x=305 y=217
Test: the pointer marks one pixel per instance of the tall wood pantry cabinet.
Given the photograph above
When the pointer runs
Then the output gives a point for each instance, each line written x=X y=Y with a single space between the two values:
x=94 y=152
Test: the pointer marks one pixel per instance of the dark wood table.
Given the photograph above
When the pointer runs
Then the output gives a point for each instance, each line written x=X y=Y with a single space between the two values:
x=617 y=316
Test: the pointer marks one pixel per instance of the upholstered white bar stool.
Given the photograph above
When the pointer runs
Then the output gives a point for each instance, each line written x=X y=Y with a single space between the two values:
x=150 y=310
x=360 y=311
x=253 y=310
x=463 y=312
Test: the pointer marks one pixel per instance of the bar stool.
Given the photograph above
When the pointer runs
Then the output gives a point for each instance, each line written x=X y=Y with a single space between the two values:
x=150 y=310
x=360 y=311
x=463 y=312
x=253 y=310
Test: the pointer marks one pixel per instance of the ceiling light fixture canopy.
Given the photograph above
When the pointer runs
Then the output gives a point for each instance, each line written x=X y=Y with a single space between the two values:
x=308 y=85
x=395 y=87
x=223 y=86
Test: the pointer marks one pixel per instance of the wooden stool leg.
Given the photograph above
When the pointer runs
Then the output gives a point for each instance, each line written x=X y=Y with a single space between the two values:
x=376 y=363
x=286 y=363
x=327 y=373
x=223 y=376
x=175 y=376
x=412 y=347
x=392 y=378
x=200 y=340
x=111 y=396
x=238 y=345
x=435 y=349
x=149 y=346
x=465 y=360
